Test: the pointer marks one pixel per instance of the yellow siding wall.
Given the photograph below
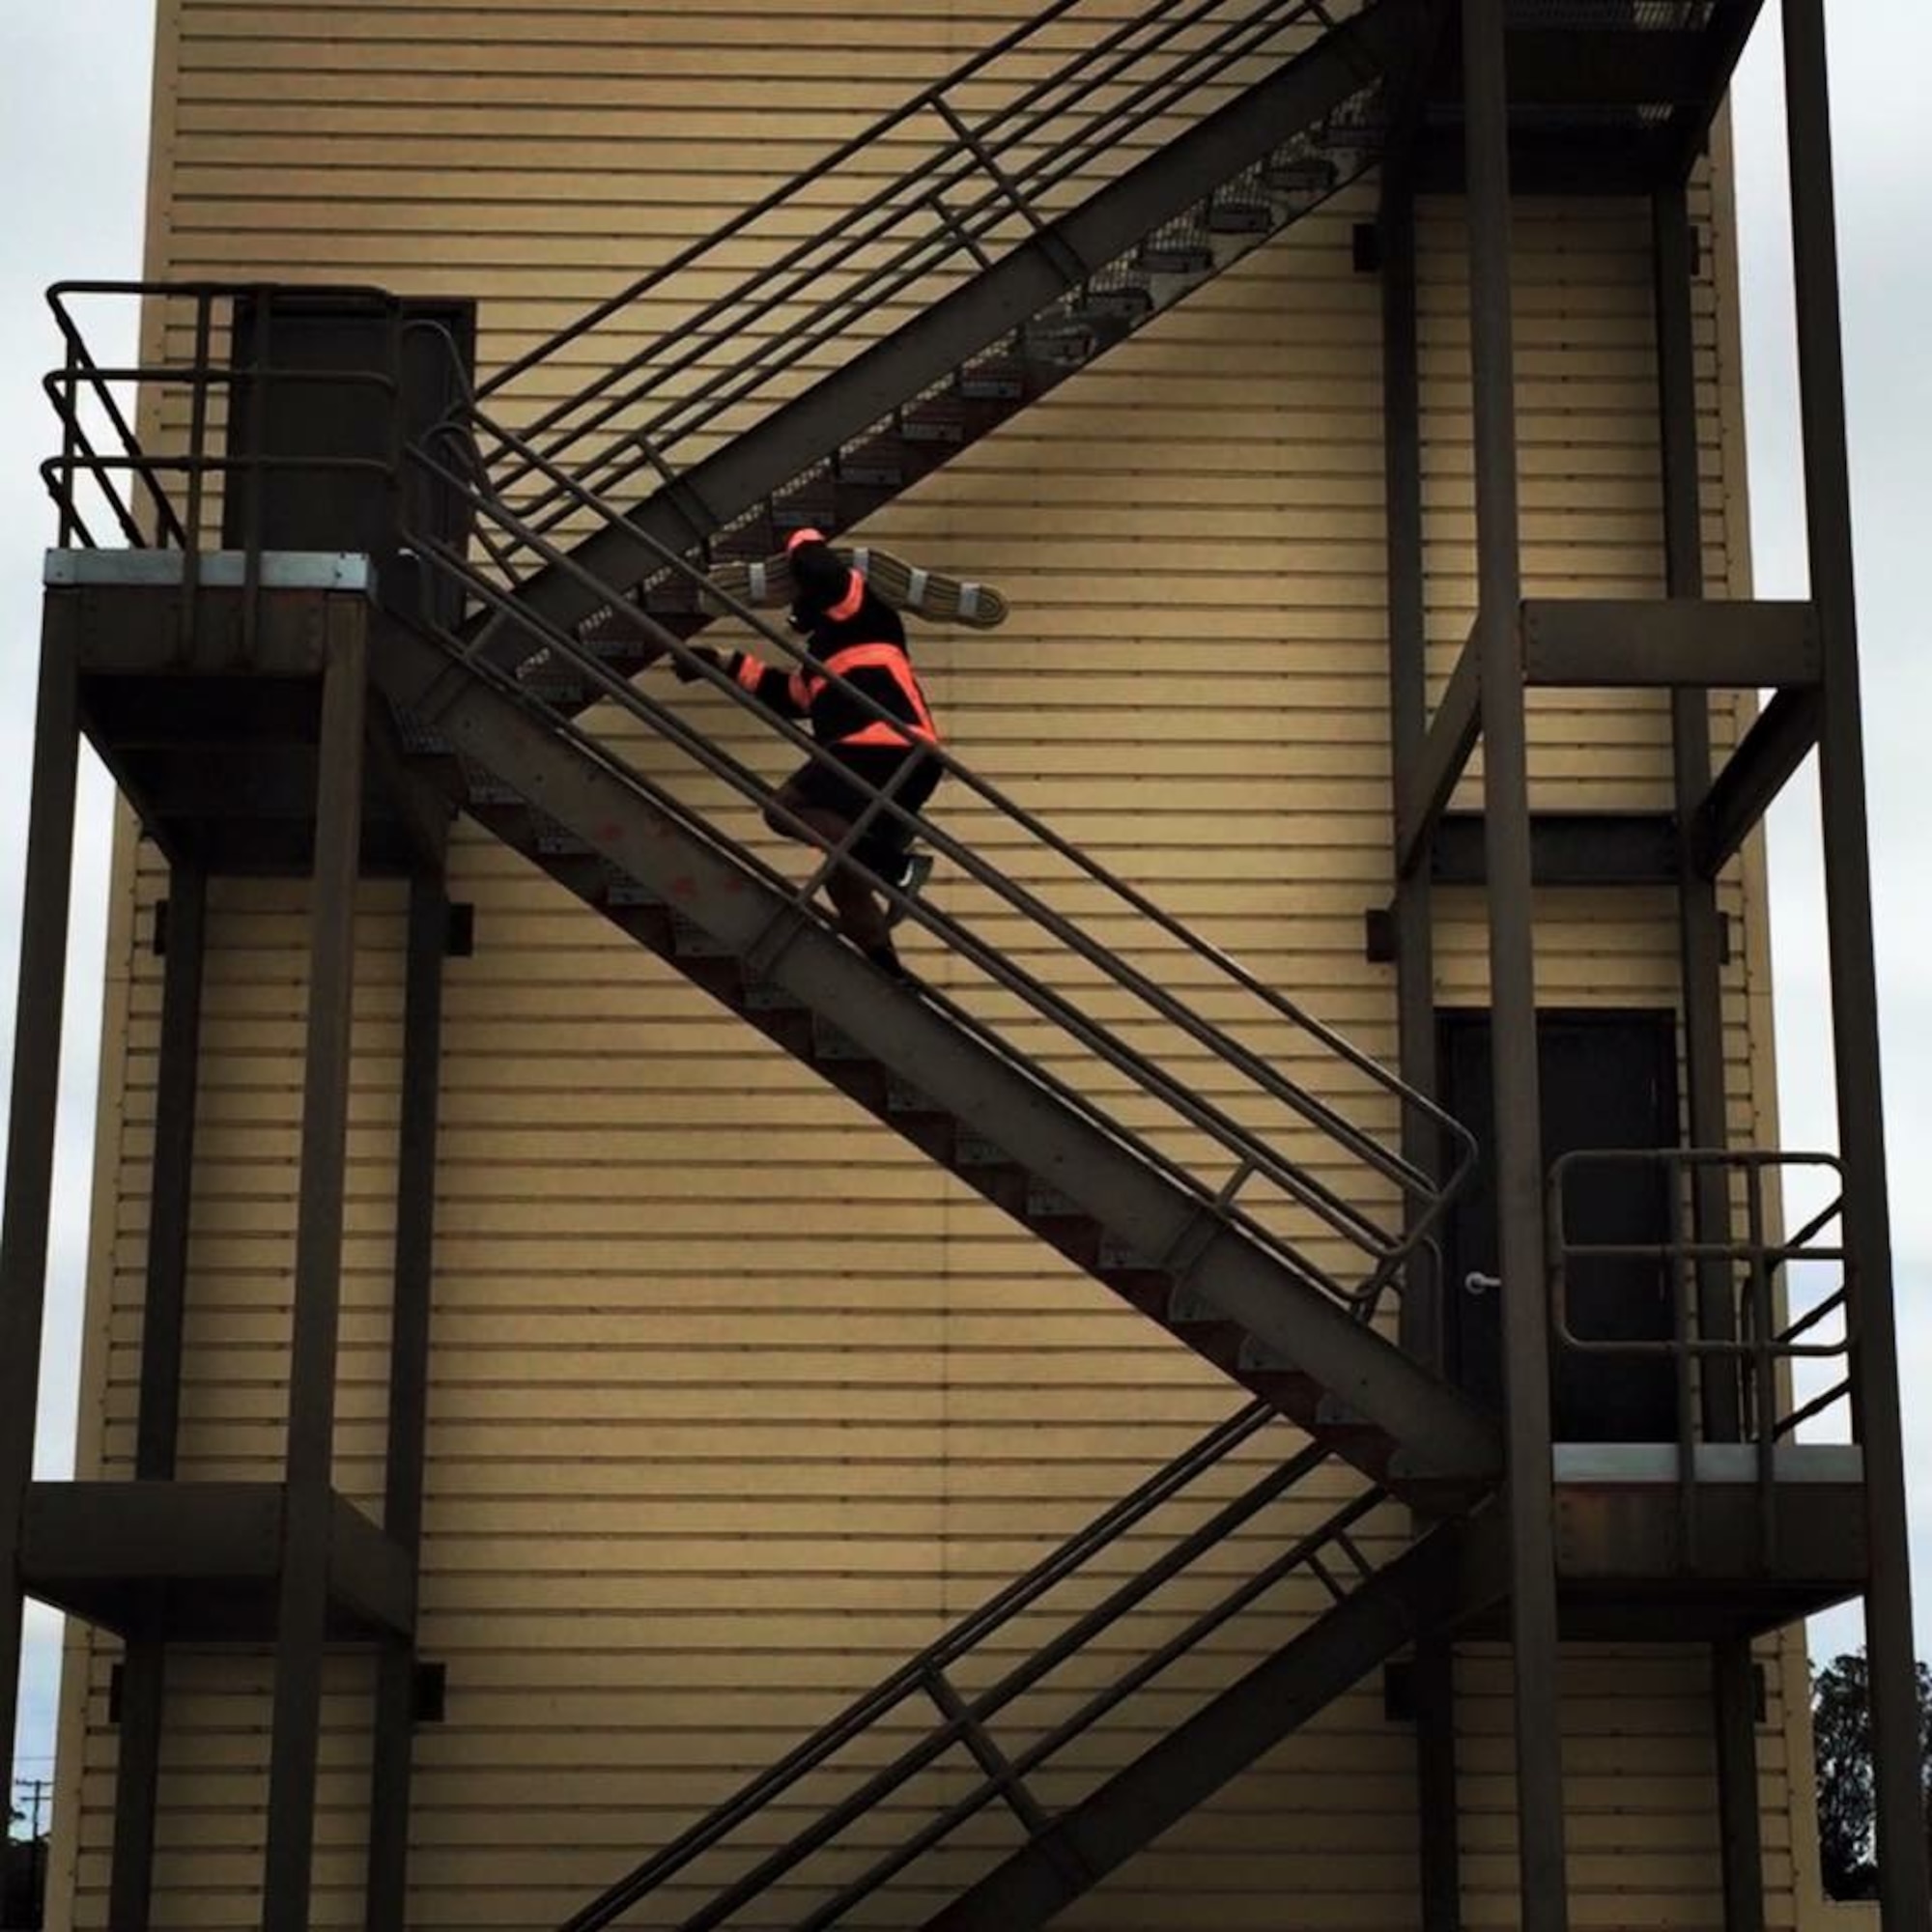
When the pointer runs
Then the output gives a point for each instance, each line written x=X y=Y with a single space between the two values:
x=735 y=1398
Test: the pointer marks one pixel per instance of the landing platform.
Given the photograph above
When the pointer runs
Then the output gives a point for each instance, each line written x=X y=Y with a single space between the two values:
x=1643 y=1556
x=1606 y=96
x=200 y=691
x=201 y=1562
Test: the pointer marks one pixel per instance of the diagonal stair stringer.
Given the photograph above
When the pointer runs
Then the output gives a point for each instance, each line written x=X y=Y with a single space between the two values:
x=1457 y=1571
x=930 y=347
x=1441 y=1440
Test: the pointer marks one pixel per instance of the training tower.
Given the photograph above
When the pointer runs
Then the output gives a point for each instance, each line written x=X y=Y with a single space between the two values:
x=592 y=1393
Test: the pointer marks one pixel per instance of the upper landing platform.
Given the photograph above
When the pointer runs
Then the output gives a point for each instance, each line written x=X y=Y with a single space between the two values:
x=1605 y=96
x=200 y=691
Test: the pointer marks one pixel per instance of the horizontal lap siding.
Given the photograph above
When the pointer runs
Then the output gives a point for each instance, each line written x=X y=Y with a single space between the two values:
x=735 y=1396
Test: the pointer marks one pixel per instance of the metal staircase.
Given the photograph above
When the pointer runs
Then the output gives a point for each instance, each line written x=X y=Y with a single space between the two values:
x=1038 y=223
x=1148 y=1107
x=1255 y=1217
x=791 y=1841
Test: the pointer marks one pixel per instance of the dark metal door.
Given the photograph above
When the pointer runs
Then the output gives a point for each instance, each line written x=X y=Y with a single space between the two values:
x=1608 y=1080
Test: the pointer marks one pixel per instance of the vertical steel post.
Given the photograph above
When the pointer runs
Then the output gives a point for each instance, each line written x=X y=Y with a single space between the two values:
x=409 y=1390
x=1437 y=1787
x=1518 y=1149
x=30 y=1136
x=1734 y=1710
x=1733 y=1681
x=144 y=1671
x=1699 y=930
x=1423 y=1301
x=303 y=1609
x=1903 y=1882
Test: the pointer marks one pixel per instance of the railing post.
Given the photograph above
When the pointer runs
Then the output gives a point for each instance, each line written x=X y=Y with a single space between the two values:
x=1902 y=1861
x=1518 y=1149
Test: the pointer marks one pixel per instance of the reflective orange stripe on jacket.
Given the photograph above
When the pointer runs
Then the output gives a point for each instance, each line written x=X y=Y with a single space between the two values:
x=886 y=658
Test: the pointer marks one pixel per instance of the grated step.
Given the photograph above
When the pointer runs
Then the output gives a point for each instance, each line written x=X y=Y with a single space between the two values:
x=1301 y=174
x=878 y=465
x=1002 y=382
x=1240 y=217
x=1192 y=257
x=1129 y=303
x=936 y=419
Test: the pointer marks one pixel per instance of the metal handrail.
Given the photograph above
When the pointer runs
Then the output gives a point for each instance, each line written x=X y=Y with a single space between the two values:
x=1387 y=1247
x=963 y=1719
x=964 y=1637
x=959 y=939
x=690 y=256
x=178 y=524
x=1751 y=1408
x=688 y=341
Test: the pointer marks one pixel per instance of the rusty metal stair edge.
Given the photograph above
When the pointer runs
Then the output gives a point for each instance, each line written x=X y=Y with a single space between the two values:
x=1440 y=1434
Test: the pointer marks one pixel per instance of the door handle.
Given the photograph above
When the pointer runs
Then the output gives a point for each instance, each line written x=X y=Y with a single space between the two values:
x=1475 y=1281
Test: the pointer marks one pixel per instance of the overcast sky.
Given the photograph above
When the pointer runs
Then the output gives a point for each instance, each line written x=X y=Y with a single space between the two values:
x=73 y=86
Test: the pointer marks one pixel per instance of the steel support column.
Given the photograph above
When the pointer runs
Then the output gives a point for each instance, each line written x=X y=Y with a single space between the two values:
x=1437 y=1788
x=303 y=1609
x=1408 y=718
x=1701 y=946
x=409 y=1390
x=1700 y=939
x=1741 y=1836
x=163 y=1311
x=1422 y=1301
x=30 y=1138
x=1519 y=1152
x=1903 y=1882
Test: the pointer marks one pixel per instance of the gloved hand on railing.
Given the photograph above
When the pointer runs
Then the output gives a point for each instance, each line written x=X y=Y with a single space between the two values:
x=685 y=665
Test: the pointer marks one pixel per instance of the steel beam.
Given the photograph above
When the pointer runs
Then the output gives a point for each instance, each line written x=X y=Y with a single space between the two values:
x=1518 y=1149
x=1437 y=1804
x=1700 y=926
x=171 y=1179
x=387 y=1886
x=1678 y=642
x=144 y=1671
x=930 y=346
x=30 y=1135
x=1599 y=66
x=1567 y=849
x=1781 y=737
x=303 y=1607
x=1734 y=1718
x=137 y=1783
x=1440 y=1847
x=1438 y=762
x=1724 y=37
x=1409 y=715
x=1905 y=1888
x=1700 y=948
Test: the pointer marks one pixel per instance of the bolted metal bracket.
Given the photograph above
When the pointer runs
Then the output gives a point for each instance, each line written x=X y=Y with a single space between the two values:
x=429 y=1694
x=1379 y=941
